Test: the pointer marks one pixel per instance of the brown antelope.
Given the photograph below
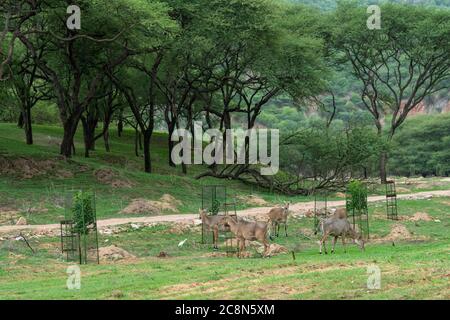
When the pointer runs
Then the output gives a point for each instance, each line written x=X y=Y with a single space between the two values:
x=213 y=223
x=250 y=231
x=278 y=216
x=336 y=227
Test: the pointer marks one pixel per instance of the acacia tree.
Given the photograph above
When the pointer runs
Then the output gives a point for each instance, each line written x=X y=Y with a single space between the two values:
x=29 y=87
x=285 y=59
x=398 y=66
x=103 y=38
x=13 y=14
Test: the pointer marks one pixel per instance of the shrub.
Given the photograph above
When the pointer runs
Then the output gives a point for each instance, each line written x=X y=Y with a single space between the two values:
x=83 y=211
x=357 y=196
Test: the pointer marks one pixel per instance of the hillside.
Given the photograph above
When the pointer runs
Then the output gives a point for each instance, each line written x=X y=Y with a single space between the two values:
x=36 y=184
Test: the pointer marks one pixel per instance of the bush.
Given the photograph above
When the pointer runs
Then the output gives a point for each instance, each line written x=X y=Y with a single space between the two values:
x=358 y=196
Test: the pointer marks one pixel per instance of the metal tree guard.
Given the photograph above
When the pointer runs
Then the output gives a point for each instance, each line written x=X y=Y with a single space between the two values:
x=358 y=213
x=79 y=238
x=215 y=202
x=391 y=200
x=320 y=207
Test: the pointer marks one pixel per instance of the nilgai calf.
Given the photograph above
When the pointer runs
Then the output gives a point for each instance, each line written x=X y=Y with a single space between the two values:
x=336 y=227
x=279 y=216
x=250 y=231
x=213 y=223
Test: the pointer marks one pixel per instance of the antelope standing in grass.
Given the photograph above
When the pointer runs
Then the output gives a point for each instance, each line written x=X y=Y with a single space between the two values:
x=250 y=231
x=278 y=216
x=336 y=227
x=213 y=223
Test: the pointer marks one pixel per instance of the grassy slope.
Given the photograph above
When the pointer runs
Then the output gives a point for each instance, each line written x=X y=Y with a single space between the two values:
x=417 y=269
x=410 y=269
x=48 y=189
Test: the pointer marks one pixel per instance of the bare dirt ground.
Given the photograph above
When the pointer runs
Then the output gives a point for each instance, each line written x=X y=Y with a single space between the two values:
x=258 y=212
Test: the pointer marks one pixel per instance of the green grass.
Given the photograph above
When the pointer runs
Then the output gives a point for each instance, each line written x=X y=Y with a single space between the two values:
x=49 y=190
x=417 y=268
x=412 y=269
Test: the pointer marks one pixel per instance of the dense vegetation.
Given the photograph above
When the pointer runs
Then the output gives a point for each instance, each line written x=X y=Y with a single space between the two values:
x=231 y=64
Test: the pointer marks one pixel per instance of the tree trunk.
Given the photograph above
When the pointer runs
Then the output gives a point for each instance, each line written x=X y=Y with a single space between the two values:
x=383 y=164
x=70 y=128
x=171 y=128
x=106 y=139
x=27 y=126
x=147 y=159
x=89 y=134
x=20 y=121
x=120 y=126
x=136 y=143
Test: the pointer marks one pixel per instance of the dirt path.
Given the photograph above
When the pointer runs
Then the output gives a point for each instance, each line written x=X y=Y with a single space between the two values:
x=189 y=218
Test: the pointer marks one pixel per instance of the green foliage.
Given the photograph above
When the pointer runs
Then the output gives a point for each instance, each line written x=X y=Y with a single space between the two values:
x=320 y=152
x=83 y=211
x=45 y=113
x=215 y=207
x=421 y=147
x=357 y=193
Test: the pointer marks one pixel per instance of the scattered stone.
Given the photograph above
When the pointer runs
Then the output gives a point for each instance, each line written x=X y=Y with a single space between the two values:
x=418 y=216
x=144 y=206
x=170 y=199
x=113 y=253
x=253 y=200
x=163 y=254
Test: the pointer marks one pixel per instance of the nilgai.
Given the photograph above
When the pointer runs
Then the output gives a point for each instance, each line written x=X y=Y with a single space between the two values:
x=213 y=223
x=339 y=213
x=336 y=227
x=278 y=216
x=250 y=231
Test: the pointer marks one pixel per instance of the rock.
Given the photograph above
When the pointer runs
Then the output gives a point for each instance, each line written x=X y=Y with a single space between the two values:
x=113 y=253
x=163 y=254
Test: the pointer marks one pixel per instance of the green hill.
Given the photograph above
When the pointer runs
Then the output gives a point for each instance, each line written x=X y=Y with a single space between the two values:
x=42 y=177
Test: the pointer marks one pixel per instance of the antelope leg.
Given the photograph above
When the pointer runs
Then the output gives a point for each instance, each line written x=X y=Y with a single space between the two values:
x=334 y=243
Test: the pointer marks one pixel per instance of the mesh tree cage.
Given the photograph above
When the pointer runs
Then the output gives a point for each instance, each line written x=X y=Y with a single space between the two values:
x=79 y=235
x=357 y=208
x=216 y=202
x=320 y=207
x=391 y=200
